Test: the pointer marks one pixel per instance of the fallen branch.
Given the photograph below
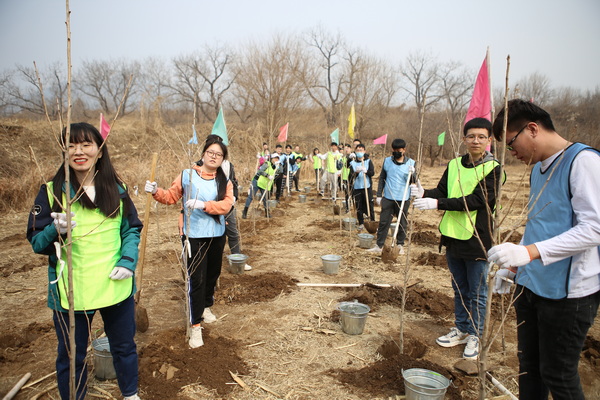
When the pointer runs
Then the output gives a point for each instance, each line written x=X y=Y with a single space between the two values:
x=39 y=380
x=239 y=381
x=374 y=285
x=500 y=386
x=13 y=392
x=43 y=392
x=360 y=358
x=266 y=389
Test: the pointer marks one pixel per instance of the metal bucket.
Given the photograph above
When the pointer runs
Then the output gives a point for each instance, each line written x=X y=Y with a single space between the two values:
x=237 y=262
x=392 y=228
x=306 y=189
x=344 y=204
x=103 y=360
x=331 y=264
x=271 y=204
x=353 y=316
x=423 y=384
x=302 y=198
x=349 y=223
x=365 y=240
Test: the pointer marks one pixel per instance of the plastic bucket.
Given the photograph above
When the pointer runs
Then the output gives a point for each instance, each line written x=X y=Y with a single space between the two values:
x=423 y=384
x=306 y=189
x=365 y=240
x=331 y=264
x=349 y=223
x=353 y=316
x=237 y=262
x=271 y=204
x=103 y=360
x=302 y=198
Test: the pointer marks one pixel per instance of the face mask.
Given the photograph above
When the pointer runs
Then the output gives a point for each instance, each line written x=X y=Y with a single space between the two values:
x=360 y=155
x=397 y=154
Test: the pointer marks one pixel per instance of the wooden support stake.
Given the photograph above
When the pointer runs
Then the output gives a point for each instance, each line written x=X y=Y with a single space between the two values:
x=39 y=380
x=239 y=381
x=266 y=389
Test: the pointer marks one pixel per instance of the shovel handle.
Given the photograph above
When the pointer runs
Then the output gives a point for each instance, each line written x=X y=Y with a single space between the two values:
x=142 y=252
x=401 y=208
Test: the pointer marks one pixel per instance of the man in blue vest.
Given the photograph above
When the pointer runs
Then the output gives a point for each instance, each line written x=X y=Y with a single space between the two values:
x=467 y=193
x=390 y=193
x=558 y=260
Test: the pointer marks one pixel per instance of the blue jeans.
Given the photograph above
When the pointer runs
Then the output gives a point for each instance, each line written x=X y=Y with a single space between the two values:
x=253 y=190
x=119 y=325
x=551 y=335
x=469 y=281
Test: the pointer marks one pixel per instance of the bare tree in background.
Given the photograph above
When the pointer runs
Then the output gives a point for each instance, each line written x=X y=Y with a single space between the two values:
x=105 y=82
x=330 y=73
x=376 y=86
x=204 y=79
x=267 y=80
x=21 y=89
x=154 y=84
x=536 y=87
x=420 y=72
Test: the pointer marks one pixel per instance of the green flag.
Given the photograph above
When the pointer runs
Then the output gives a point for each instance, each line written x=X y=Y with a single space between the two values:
x=220 y=129
x=441 y=138
x=335 y=136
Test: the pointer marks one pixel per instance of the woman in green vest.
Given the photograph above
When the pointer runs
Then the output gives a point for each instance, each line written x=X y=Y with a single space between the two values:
x=105 y=232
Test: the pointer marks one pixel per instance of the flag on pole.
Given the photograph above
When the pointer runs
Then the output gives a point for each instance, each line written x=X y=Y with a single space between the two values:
x=104 y=127
x=335 y=136
x=194 y=139
x=219 y=128
x=283 y=133
x=381 y=140
x=441 y=138
x=481 y=102
x=351 y=122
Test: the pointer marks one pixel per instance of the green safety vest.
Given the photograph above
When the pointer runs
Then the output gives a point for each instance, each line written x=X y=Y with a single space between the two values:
x=316 y=162
x=331 y=161
x=462 y=182
x=345 y=171
x=264 y=182
x=95 y=251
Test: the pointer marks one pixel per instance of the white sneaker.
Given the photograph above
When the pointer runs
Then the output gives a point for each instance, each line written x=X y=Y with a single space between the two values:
x=452 y=338
x=472 y=348
x=400 y=249
x=134 y=397
x=360 y=227
x=375 y=250
x=196 y=337
x=247 y=267
x=208 y=317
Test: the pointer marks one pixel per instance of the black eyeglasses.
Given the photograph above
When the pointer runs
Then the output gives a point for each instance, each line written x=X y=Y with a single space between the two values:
x=511 y=141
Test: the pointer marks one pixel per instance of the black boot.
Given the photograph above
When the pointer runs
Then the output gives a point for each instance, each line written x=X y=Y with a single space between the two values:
x=245 y=213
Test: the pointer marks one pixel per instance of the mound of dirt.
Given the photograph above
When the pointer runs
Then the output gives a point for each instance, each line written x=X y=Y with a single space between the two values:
x=246 y=288
x=425 y=237
x=384 y=378
x=429 y=258
x=167 y=364
x=418 y=299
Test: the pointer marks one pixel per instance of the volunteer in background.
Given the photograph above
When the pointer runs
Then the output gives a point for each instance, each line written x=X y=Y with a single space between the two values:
x=361 y=166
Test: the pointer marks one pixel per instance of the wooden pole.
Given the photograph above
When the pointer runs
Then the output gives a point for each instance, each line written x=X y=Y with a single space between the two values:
x=13 y=392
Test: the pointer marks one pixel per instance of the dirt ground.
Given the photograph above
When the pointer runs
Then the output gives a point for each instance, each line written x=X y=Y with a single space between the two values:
x=281 y=340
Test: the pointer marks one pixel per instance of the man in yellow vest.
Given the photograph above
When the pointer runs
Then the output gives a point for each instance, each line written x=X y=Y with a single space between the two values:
x=467 y=193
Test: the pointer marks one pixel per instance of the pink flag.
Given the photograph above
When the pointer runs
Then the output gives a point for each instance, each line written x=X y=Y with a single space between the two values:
x=381 y=140
x=104 y=127
x=283 y=133
x=481 y=102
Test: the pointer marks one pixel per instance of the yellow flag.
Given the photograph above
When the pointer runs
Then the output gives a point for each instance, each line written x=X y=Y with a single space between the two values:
x=351 y=122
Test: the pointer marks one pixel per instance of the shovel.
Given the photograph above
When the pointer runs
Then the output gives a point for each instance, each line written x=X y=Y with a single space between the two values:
x=370 y=226
x=390 y=253
x=141 y=315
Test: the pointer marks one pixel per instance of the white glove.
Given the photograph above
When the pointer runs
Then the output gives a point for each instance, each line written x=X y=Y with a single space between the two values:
x=362 y=169
x=193 y=203
x=378 y=201
x=426 y=203
x=338 y=173
x=508 y=255
x=503 y=281
x=411 y=169
x=417 y=190
x=60 y=222
x=271 y=177
x=150 y=187
x=120 y=273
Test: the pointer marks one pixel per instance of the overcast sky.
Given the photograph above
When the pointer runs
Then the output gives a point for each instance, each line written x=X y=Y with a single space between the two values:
x=557 y=38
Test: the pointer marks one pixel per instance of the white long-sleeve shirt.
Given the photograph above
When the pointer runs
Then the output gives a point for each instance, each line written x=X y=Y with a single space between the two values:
x=582 y=240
